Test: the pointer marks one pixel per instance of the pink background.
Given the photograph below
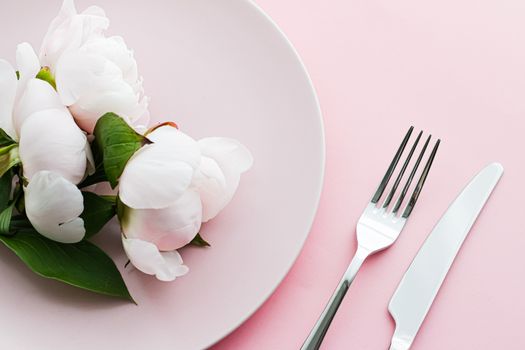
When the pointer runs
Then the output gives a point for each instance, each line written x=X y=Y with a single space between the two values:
x=453 y=68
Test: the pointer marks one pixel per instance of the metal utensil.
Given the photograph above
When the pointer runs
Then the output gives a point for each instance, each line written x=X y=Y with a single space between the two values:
x=378 y=228
x=421 y=282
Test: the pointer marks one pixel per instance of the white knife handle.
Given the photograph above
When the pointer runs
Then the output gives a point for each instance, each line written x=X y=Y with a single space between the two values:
x=316 y=336
x=400 y=343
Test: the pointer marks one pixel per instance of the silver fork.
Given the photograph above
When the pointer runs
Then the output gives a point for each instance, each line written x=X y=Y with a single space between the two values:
x=377 y=228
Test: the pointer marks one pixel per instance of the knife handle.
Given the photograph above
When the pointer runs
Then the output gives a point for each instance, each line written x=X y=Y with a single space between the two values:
x=400 y=342
x=316 y=336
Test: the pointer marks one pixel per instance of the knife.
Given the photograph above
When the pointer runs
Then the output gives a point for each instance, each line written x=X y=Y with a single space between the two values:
x=420 y=284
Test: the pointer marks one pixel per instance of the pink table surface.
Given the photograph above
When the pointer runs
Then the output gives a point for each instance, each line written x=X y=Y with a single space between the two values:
x=457 y=69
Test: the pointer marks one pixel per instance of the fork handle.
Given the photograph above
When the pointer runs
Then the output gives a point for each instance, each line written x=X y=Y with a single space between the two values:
x=316 y=336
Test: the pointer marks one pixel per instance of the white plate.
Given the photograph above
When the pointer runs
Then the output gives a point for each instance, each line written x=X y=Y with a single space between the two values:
x=216 y=68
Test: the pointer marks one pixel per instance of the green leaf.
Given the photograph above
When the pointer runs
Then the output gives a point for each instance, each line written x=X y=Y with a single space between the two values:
x=20 y=205
x=5 y=219
x=6 y=182
x=6 y=203
x=110 y=198
x=82 y=264
x=97 y=212
x=117 y=142
x=5 y=140
x=46 y=75
x=8 y=158
x=199 y=241
x=19 y=223
x=98 y=176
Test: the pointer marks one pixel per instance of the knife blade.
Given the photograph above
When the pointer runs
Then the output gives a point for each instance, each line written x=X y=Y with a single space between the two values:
x=420 y=284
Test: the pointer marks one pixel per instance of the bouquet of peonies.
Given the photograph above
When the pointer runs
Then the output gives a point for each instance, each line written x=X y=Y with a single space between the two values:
x=75 y=118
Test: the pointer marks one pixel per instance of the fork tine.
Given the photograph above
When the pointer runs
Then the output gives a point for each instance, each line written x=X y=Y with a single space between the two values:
x=390 y=170
x=421 y=182
x=402 y=172
x=411 y=177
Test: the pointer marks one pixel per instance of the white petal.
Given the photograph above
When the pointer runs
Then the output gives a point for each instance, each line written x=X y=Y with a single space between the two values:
x=38 y=96
x=94 y=23
x=115 y=50
x=92 y=85
x=28 y=66
x=27 y=61
x=141 y=124
x=168 y=228
x=232 y=158
x=227 y=152
x=50 y=140
x=181 y=145
x=88 y=110
x=53 y=205
x=78 y=73
x=209 y=181
x=8 y=84
x=70 y=30
x=155 y=177
x=140 y=128
x=145 y=256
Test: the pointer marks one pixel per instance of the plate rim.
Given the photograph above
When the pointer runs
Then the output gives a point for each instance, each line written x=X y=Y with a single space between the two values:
x=320 y=185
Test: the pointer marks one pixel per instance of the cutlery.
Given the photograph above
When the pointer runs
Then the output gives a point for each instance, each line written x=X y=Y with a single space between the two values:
x=378 y=227
x=418 y=287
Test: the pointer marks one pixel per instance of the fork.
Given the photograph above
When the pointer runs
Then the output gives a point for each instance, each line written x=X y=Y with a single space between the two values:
x=377 y=228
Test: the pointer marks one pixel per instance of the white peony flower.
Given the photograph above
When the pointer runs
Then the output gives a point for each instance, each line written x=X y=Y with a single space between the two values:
x=94 y=74
x=31 y=112
x=155 y=187
x=146 y=257
x=70 y=30
x=159 y=173
x=53 y=206
x=172 y=185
